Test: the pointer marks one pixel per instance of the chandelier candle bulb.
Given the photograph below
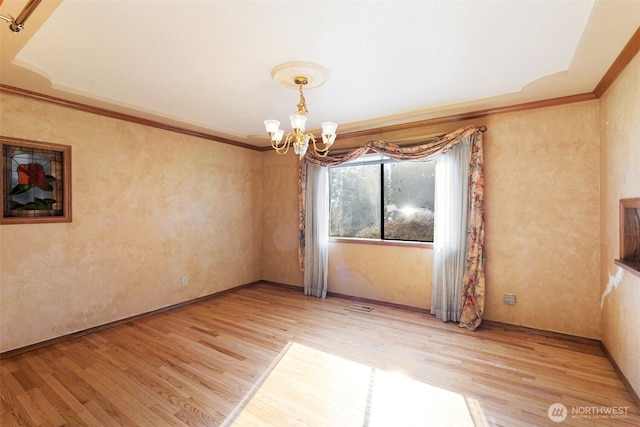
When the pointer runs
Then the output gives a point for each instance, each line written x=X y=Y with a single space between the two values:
x=271 y=125
x=279 y=133
x=329 y=132
x=298 y=122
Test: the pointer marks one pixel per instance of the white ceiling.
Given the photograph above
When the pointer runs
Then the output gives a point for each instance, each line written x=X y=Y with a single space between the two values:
x=206 y=65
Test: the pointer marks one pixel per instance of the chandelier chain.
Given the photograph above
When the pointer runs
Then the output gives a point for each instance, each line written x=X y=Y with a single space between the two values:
x=302 y=106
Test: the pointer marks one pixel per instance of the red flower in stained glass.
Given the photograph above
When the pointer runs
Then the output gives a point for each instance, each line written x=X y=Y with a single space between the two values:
x=32 y=174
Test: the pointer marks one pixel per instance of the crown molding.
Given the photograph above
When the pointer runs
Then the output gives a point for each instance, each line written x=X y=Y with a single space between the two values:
x=120 y=116
x=630 y=50
x=473 y=115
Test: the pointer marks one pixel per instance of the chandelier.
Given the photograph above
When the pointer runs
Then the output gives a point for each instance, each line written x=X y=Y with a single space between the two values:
x=299 y=75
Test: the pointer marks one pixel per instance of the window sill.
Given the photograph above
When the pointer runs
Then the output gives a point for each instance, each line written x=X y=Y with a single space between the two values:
x=425 y=245
x=630 y=266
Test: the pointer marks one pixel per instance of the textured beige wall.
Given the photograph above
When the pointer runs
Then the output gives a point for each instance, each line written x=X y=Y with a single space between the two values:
x=620 y=177
x=542 y=218
x=280 y=219
x=149 y=206
x=542 y=221
x=542 y=225
x=397 y=274
x=354 y=269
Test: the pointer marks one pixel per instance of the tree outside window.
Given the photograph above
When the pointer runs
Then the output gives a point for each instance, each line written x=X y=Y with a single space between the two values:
x=383 y=199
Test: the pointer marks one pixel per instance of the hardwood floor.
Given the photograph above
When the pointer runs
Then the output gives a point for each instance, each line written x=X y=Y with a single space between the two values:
x=269 y=356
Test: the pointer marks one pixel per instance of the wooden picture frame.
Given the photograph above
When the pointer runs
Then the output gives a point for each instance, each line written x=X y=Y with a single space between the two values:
x=630 y=235
x=35 y=182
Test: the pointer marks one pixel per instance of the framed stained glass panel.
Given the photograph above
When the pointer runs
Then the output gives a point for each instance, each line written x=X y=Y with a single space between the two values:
x=35 y=181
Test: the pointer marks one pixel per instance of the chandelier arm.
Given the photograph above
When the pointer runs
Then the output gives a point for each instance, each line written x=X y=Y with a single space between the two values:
x=287 y=143
x=311 y=140
x=283 y=147
x=274 y=143
x=322 y=152
x=282 y=150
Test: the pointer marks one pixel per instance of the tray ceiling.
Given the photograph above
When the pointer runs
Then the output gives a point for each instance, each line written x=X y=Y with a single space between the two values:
x=206 y=65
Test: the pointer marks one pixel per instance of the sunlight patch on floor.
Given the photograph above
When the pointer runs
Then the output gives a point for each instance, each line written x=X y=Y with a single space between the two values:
x=399 y=400
x=308 y=387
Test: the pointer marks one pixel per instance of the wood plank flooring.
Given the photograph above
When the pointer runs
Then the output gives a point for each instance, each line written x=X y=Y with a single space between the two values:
x=269 y=356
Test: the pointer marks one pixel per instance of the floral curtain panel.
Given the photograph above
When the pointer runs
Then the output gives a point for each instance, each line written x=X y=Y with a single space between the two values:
x=473 y=291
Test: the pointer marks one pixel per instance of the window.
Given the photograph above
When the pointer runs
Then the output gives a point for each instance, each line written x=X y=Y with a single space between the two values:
x=379 y=198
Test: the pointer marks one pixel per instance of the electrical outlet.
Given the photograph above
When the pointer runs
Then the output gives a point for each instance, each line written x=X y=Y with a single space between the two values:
x=184 y=280
x=509 y=299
